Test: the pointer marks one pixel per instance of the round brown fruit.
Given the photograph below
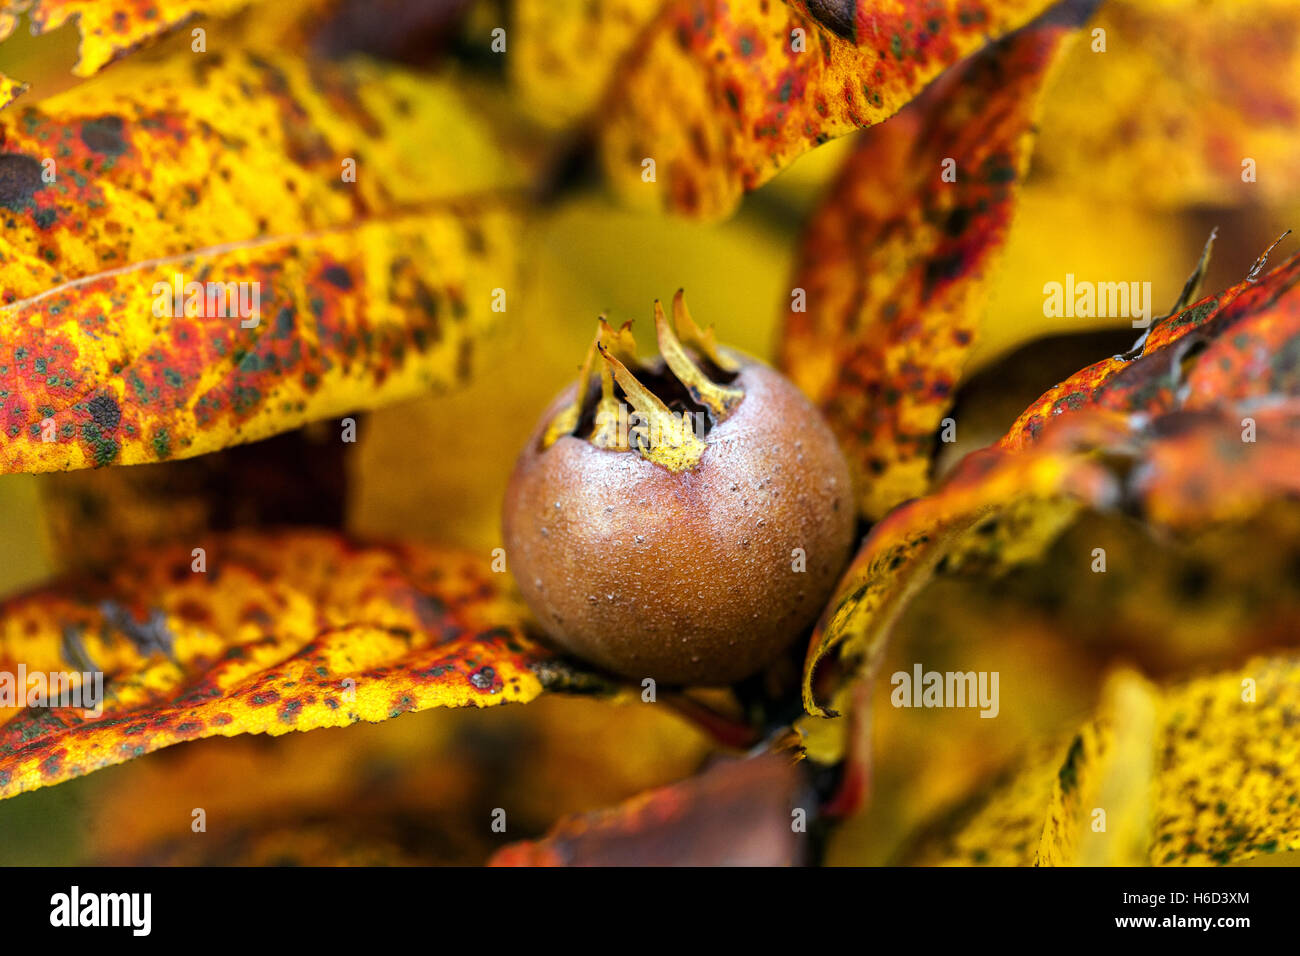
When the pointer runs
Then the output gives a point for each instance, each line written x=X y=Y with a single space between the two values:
x=688 y=558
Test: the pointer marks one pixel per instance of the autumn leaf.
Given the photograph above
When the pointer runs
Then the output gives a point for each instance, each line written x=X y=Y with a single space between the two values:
x=1235 y=348
x=92 y=517
x=739 y=813
x=109 y=28
x=722 y=96
x=255 y=633
x=10 y=90
x=1137 y=452
x=415 y=789
x=1201 y=101
x=894 y=271
x=1195 y=773
x=565 y=52
x=231 y=173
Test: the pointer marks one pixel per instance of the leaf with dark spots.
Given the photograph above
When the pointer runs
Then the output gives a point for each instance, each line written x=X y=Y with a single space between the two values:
x=1199 y=89
x=20 y=179
x=352 y=639
x=1188 y=773
x=723 y=96
x=205 y=269
x=104 y=135
x=898 y=260
x=1242 y=329
x=109 y=28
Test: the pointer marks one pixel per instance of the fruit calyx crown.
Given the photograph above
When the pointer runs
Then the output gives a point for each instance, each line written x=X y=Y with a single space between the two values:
x=673 y=439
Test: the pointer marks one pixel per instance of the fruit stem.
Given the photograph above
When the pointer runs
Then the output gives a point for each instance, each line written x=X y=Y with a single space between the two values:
x=725 y=730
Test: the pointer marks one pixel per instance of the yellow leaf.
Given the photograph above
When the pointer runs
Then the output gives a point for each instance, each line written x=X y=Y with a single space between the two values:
x=1202 y=772
x=1192 y=91
x=1228 y=784
x=250 y=633
x=111 y=28
x=563 y=53
x=203 y=270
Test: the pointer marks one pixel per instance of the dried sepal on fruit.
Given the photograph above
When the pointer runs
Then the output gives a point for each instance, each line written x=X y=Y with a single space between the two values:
x=683 y=518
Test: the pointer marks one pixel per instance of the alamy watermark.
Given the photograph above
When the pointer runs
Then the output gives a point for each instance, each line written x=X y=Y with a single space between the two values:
x=52 y=689
x=635 y=430
x=133 y=911
x=923 y=688
x=213 y=300
x=1083 y=299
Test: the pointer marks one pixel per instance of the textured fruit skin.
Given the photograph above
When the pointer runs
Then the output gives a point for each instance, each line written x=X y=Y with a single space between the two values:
x=684 y=577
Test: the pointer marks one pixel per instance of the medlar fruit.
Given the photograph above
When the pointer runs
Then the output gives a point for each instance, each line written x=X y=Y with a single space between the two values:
x=682 y=519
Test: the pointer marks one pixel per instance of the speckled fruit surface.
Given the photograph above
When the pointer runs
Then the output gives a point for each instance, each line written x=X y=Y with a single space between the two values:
x=688 y=577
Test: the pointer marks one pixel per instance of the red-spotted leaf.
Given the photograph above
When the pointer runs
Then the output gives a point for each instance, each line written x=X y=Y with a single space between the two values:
x=207 y=251
x=249 y=633
x=1238 y=347
x=722 y=96
x=894 y=272
x=1196 y=773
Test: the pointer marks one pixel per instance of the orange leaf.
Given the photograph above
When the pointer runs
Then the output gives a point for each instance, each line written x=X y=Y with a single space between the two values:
x=281 y=632
x=1227 y=349
x=897 y=262
x=722 y=96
